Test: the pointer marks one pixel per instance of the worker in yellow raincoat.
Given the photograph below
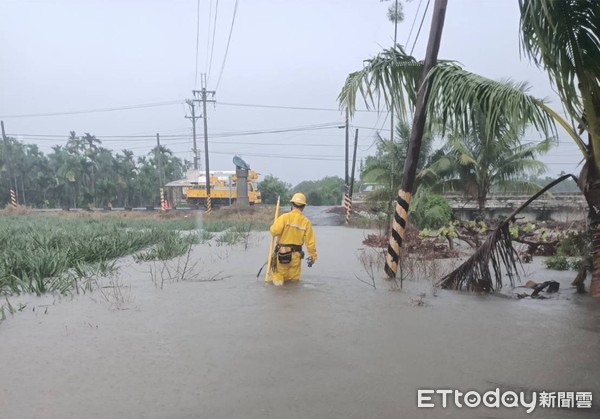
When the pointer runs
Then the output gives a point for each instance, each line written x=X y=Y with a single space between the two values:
x=292 y=230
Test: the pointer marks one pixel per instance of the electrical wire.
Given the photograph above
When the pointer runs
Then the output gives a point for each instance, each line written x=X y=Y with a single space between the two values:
x=301 y=108
x=420 y=26
x=223 y=134
x=414 y=21
x=280 y=156
x=208 y=34
x=175 y=102
x=212 y=48
x=197 y=45
x=373 y=129
x=119 y=108
x=228 y=42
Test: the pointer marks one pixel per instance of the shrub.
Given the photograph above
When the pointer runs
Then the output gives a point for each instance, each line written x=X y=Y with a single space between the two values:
x=563 y=263
x=430 y=211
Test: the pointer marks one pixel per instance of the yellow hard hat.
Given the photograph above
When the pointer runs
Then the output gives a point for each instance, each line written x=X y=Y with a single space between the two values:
x=298 y=199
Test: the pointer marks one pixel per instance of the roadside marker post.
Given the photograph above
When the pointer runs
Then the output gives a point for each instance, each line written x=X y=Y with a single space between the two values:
x=13 y=198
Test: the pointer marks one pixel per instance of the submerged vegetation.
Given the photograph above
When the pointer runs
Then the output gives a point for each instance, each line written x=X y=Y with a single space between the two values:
x=60 y=254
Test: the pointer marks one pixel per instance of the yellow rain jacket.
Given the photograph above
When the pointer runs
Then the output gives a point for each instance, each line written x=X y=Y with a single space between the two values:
x=293 y=228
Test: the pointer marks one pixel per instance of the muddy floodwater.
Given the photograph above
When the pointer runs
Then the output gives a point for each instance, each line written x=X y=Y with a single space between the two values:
x=225 y=345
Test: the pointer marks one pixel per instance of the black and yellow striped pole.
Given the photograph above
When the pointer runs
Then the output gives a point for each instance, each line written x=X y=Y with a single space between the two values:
x=347 y=203
x=162 y=199
x=350 y=188
x=13 y=198
x=208 y=205
x=414 y=146
x=397 y=233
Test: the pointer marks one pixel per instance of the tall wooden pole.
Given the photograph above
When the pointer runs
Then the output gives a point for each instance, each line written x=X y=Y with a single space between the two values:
x=414 y=147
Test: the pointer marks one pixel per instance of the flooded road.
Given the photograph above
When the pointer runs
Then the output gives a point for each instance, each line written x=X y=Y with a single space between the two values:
x=328 y=347
x=325 y=215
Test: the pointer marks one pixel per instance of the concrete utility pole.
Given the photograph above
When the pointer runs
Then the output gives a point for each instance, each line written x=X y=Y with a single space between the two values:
x=160 y=176
x=346 y=158
x=3 y=133
x=10 y=177
x=204 y=98
x=347 y=192
x=414 y=147
x=192 y=106
x=353 y=165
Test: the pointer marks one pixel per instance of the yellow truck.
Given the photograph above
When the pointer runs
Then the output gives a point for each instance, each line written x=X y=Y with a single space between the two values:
x=223 y=189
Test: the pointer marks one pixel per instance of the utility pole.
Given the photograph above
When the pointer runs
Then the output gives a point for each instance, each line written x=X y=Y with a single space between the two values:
x=10 y=177
x=192 y=106
x=347 y=200
x=346 y=158
x=353 y=164
x=3 y=133
x=204 y=98
x=160 y=176
x=416 y=138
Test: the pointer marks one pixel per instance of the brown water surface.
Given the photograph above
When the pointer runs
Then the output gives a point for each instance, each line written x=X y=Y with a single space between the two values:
x=328 y=347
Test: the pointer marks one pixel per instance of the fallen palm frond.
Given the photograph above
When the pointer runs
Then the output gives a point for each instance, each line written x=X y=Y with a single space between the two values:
x=474 y=274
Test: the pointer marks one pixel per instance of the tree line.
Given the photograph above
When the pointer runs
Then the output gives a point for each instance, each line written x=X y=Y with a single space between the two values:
x=82 y=173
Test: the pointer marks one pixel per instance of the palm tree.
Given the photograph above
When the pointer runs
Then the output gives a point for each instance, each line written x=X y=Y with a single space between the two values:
x=390 y=155
x=562 y=37
x=478 y=162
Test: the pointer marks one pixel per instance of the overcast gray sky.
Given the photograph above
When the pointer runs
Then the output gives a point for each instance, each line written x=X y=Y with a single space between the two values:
x=58 y=56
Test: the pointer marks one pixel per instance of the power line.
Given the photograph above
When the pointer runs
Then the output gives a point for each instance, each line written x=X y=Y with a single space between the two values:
x=414 y=21
x=224 y=134
x=97 y=136
x=120 y=108
x=281 y=156
x=374 y=129
x=420 y=26
x=278 y=130
x=197 y=44
x=228 y=42
x=212 y=48
x=171 y=103
x=301 y=108
x=208 y=34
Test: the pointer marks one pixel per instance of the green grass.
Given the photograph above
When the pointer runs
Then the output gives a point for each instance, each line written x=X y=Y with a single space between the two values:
x=171 y=244
x=40 y=254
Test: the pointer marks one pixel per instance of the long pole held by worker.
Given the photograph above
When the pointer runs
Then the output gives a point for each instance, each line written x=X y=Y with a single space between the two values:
x=414 y=146
x=272 y=245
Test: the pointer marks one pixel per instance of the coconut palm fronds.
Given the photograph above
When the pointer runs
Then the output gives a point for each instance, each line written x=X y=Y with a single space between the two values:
x=474 y=274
